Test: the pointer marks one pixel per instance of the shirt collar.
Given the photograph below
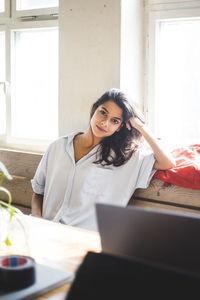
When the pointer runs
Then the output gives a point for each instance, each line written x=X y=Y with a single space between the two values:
x=70 y=147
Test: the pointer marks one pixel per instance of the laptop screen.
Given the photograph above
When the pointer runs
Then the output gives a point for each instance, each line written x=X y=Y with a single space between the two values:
x=162 y=236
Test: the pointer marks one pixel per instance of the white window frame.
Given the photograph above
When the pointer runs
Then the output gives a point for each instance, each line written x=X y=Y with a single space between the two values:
x=33 y=12
x=21 y=21
x=6 y=13
x=158 y=12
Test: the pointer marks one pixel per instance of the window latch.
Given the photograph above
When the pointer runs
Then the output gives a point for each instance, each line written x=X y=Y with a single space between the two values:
x=5 y=85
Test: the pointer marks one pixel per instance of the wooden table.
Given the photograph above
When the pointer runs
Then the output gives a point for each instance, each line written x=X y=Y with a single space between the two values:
x=56 y=245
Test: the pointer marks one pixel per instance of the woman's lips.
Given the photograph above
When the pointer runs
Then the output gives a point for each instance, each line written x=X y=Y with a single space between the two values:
x=99 y=128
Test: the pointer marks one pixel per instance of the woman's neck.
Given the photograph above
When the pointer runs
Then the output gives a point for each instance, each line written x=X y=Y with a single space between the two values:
x=88 y=139
x=84 y=143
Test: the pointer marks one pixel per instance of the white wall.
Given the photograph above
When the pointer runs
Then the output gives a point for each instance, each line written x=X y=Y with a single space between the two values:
x=132 y=49
x=94 y=58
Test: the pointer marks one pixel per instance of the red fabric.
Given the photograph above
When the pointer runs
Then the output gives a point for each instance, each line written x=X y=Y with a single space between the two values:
x=187 y=170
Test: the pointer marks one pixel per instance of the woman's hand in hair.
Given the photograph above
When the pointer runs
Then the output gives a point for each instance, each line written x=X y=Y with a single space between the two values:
x=164 y=159
x=134 y=122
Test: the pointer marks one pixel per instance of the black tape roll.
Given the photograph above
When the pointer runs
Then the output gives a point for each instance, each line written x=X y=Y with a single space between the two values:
x=16 y=272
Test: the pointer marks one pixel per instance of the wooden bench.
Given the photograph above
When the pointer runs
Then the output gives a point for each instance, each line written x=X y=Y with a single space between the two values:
x=171 y=197
x=22 y=167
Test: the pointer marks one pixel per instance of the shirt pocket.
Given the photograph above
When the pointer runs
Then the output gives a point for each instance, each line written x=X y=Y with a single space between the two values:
x=98 y=183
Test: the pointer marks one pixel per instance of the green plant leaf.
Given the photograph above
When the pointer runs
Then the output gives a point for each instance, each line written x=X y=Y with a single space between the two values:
x=5 y=171
x=13 y=211
x=3 y=189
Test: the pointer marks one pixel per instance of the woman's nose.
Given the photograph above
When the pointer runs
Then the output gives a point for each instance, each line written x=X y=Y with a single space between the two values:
x=104 y=122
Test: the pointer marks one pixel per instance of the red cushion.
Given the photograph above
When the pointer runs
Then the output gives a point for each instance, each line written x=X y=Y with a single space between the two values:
x=187 y=170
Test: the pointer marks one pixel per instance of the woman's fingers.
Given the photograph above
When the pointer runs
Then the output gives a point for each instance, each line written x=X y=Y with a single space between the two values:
x=128 y=126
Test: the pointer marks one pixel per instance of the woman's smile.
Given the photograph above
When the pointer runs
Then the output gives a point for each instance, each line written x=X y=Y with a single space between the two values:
x=101 y=129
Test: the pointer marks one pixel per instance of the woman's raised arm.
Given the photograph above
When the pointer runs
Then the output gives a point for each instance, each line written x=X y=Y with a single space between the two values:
x=164 y=159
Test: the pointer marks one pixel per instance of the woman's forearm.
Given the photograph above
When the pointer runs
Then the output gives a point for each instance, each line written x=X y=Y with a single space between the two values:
x=36 y=205
x=164 y=159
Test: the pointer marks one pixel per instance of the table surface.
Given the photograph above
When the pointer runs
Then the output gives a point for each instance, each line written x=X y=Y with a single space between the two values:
x=56 y=245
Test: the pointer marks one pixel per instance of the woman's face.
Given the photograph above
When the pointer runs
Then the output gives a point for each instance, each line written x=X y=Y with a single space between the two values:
x=106 y=120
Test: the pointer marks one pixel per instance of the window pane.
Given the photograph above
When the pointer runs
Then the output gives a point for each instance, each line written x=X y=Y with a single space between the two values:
x=35 y=84
x=2 y=6
x=2 y=79
x=33 y=4
x=178 y=82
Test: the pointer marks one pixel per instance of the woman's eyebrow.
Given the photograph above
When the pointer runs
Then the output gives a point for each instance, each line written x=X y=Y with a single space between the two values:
x=105 y=109
x=108 y=113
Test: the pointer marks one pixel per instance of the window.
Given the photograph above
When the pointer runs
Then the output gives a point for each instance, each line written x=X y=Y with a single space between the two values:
x=29 y=77
x=174 y=74
x=2 y=6
x=35 y=53
x=35 y=4
x=2 y=84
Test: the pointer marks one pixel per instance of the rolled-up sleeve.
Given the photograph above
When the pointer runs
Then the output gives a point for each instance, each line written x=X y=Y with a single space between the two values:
x=38 y=181
x=146 y=171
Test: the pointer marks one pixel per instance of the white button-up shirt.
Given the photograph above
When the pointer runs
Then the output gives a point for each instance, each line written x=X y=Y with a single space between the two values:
x=71 y=188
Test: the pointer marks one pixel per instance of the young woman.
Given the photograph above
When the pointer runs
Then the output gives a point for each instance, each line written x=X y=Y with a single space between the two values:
x=105 y=163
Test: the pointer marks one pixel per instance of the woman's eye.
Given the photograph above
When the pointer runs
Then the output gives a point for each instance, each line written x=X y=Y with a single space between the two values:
x=115 y=121
x=103 y=112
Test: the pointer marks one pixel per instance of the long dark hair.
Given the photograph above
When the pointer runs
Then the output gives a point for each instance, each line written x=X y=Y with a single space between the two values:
x=119 y=147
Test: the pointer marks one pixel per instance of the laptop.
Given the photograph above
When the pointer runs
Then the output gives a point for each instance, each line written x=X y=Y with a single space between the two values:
x=153 y=235
x=103 y=276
